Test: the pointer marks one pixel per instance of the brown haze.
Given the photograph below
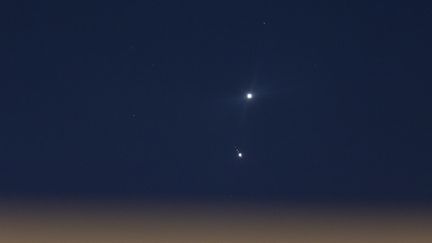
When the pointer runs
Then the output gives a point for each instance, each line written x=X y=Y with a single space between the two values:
x=133 y=222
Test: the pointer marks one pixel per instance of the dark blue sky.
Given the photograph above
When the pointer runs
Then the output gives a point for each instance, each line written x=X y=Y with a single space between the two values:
x=139 y=99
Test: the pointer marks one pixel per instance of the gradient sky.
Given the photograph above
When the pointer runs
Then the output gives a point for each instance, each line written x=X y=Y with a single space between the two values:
x=141 y=99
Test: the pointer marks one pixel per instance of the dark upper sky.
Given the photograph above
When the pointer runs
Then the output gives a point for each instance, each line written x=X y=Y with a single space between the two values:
x=140 y=99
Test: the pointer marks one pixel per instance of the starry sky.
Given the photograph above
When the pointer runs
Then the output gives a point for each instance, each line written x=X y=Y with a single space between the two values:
x=142 y=99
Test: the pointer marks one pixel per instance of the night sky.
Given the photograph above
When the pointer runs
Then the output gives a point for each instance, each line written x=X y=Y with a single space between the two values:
x=141 y=99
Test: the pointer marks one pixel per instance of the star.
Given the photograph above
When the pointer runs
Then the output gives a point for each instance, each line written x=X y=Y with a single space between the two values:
x=239 y=154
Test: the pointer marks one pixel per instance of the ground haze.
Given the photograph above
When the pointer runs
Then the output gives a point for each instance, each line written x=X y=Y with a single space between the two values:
x=199 y=222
